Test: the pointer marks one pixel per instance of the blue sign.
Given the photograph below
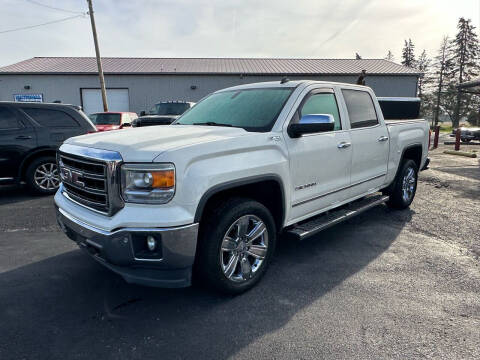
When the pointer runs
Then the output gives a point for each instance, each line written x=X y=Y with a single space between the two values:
x=28 y=97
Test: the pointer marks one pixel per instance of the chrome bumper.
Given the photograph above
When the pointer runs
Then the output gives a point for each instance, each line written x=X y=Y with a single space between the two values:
x=124 y=251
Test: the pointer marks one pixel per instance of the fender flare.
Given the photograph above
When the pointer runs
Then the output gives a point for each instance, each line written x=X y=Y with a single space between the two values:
x=237 y=183
x=411 y=146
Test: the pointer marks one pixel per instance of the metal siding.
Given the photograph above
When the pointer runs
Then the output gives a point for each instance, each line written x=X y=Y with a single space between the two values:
x=145 y=90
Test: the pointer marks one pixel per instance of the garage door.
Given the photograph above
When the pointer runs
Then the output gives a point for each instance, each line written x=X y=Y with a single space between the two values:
x=92 y=100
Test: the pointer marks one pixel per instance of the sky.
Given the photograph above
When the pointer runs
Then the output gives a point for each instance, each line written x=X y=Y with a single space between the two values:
x=231 y=28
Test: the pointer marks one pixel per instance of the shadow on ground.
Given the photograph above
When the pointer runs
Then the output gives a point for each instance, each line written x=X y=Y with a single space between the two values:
x=10 y=194
x=472 y=172
x=68 y=306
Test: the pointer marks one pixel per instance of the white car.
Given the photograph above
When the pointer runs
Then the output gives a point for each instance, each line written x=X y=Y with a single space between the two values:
x=209 y=194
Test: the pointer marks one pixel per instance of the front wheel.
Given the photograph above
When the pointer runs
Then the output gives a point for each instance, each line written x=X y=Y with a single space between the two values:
x=236 y=244
x=405 y=187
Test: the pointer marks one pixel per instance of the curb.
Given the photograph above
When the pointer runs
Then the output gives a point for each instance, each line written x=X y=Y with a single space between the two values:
x=460 y=153
x=461 y=143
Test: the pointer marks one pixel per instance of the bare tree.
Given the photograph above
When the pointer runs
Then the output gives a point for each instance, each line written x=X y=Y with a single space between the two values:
x=425 y=78
x=443 y=68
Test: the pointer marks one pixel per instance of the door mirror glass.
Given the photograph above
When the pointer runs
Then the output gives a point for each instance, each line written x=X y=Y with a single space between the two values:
x=312 y=123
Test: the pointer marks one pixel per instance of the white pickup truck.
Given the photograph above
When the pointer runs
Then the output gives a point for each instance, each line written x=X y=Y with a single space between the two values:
x=208 y=195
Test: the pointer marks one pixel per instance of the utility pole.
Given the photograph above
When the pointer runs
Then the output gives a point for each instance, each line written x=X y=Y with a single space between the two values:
x=97 y=52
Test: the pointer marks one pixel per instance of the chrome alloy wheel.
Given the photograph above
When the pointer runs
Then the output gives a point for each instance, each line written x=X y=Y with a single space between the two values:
x=46 y=176
x=244 y=248
x=408 y=184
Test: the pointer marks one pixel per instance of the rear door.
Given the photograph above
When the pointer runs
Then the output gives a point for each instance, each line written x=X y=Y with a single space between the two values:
x=370 y=142
x=55 y=125
x=17 y=138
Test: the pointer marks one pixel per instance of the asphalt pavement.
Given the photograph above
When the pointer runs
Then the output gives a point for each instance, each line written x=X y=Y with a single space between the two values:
x=387 y=284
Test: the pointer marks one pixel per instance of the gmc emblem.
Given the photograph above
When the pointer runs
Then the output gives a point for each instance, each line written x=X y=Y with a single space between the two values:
x=71 y=176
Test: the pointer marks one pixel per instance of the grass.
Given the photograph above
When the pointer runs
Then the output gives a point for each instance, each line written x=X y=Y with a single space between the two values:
x=446 y=128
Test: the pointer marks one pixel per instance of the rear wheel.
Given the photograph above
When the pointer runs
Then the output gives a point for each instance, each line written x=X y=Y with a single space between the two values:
x=236 y=245
x=405 y=186
x=42 y=176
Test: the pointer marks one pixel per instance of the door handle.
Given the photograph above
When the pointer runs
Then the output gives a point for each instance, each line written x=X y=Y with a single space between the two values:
x=382 y=138
x=23 y=137
x=344 y=145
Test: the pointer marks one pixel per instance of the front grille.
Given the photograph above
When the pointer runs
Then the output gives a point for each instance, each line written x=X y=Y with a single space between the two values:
x=85 y=181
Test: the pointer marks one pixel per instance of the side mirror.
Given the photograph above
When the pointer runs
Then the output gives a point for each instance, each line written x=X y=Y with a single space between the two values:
x=312 y=123
x=126 y=125
x=142 y=113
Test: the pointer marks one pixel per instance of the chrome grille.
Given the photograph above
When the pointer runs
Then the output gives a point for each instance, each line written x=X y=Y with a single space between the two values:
x=89 y=177
x=85 y=181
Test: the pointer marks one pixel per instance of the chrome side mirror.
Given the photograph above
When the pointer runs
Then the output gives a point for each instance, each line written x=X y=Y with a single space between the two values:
x=311 y=123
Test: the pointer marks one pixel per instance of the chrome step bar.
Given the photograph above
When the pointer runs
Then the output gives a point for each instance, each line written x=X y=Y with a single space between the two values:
x=323 y=221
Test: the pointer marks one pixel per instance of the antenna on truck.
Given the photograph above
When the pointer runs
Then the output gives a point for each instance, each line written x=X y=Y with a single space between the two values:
x=284 y=80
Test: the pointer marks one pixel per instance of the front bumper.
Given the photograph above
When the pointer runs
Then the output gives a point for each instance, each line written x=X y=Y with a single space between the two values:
x=124 y=251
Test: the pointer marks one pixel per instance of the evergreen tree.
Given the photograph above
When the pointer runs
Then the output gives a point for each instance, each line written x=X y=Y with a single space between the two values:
x=465 y=50
x=390 y=56
x=408 y=54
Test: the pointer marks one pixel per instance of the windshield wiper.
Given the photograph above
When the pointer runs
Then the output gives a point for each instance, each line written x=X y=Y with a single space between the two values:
x=212 y=123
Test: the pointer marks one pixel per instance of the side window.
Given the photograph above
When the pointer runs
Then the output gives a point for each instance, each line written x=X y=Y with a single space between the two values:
x=8 y=119
x=323 y=103
x=361 y=110
x=51 y=118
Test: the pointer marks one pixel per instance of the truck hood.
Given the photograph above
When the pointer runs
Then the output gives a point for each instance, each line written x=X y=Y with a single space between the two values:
x=145 y=143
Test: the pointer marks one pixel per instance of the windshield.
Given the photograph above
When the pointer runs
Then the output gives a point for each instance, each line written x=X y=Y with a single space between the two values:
x=169 y=109
x=251 y=109
x=105 y=119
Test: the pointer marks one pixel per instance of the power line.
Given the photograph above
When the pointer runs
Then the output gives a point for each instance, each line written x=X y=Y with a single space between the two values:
x=54 y=8
x=47 y=23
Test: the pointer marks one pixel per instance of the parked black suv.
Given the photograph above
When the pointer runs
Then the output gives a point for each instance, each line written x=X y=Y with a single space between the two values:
x=162 y=113
x=30 y=134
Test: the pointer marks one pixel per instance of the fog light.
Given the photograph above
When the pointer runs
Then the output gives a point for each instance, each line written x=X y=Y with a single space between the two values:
x=151 y=243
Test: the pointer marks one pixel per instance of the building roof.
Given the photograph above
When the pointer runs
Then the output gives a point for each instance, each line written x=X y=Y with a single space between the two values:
x=246 y=66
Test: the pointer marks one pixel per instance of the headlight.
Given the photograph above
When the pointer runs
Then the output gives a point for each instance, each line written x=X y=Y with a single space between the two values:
x=148 y=183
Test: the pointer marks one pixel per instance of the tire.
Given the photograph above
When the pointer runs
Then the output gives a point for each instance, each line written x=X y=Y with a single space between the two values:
x=405 y=186
x=466 y=140
x=230 y=263
x=42 y=176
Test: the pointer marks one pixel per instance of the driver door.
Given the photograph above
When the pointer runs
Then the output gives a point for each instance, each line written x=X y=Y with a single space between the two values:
x=320 y=162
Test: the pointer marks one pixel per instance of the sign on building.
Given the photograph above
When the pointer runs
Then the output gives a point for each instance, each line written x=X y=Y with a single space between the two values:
x=28 y=97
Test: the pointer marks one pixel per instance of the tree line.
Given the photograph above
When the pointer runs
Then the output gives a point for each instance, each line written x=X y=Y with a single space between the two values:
x=456 y=62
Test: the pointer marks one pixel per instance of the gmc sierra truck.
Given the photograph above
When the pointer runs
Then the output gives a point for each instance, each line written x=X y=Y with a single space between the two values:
x=208 y=195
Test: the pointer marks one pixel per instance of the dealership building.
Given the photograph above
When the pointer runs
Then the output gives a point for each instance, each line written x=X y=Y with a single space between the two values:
x=136 y=84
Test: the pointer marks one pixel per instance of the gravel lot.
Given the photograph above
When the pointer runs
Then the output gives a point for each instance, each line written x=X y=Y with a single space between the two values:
x=386 y=284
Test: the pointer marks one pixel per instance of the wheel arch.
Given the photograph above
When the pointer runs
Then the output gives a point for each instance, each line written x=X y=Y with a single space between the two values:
x=413 y=152
x=266 y=189
x=40 y=152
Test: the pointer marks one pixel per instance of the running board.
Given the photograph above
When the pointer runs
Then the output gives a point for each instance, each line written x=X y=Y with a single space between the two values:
x=311 y=227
